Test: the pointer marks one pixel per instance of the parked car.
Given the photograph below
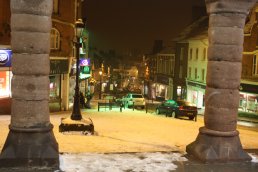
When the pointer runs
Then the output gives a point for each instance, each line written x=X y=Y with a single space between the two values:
x=134 y=99
x=177 y=109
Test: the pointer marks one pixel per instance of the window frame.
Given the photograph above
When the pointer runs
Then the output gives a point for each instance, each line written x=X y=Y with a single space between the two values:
x=54 y=39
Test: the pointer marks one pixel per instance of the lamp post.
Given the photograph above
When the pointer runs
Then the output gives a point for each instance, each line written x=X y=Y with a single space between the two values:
x=100 y=85
x=76 y=122
x=76 y=113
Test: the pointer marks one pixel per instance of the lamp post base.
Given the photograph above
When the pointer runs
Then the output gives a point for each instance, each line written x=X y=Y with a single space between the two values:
x=216 y=146
x=31 y=147
x=84 y=125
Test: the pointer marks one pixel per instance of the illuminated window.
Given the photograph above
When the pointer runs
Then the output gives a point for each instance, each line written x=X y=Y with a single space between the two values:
x=54 y=39
x=55 y=6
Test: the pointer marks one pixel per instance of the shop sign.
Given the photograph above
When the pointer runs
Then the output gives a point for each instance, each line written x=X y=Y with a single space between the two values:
x=59 y=66
x=85 y=62
x=248 y=88
x=251 y=98
x=5 y=58
x=196 y=85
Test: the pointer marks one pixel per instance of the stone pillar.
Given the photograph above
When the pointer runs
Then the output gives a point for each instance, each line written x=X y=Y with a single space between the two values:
x=219 y=140
x=30 y=141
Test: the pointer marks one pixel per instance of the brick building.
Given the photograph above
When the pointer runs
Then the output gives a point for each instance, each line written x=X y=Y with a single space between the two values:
x=62 y=54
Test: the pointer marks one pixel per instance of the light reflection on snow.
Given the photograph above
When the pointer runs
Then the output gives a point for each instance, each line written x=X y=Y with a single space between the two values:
x=137 y=162
x=254 y=157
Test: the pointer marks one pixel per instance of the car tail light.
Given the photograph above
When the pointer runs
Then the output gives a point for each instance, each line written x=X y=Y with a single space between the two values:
x=180 y=107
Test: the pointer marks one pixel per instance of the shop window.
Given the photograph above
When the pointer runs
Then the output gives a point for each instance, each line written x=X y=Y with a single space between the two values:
x=55 y=88
x=54 y=39
x=5 y=83
x=55 y=6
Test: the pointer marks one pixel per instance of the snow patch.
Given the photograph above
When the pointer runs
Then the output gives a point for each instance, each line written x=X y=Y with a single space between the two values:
x=254 y=157
x=137 y=162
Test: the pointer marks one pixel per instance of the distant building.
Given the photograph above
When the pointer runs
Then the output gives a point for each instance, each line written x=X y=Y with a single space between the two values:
x=165 y=74
x=184 y=50
x=197 y=68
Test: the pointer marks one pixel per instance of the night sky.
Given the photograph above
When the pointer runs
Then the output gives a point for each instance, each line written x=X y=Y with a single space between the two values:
x=126 y=25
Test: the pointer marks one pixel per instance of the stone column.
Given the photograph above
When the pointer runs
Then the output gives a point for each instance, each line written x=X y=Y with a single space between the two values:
x=219 y=140
x=30 y=141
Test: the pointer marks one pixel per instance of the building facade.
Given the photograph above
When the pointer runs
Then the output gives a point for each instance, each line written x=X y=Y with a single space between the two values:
x=165 y=74
x=5 y=57
x=197 y=68
x=249 y=79
x=62 y=55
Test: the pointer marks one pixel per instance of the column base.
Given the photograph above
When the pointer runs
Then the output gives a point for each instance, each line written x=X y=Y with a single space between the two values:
x=215 y=146
x=30 y=148
x=85 y=126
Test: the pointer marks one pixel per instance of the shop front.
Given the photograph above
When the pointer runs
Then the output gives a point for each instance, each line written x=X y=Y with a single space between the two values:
x=162 y=87
x=58 y=96
x=249 y=97
x=196 y=93
x=5 y=81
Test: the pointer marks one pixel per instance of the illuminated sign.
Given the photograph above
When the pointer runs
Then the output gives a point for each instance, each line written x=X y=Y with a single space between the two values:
x=84 y=62
x=59 y=66
x=85 y=69
x=5 y=58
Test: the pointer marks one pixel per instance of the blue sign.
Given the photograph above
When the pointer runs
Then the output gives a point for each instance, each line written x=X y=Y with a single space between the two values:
x=5 y=58
x=85 y=62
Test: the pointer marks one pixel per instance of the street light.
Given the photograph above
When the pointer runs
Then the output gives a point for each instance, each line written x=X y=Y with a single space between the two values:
x=100 y=85
x=76 y=114
x=76 y=122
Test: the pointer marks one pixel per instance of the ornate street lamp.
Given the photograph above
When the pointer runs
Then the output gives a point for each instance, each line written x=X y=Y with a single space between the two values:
x=76 y=114
x=76 y=122
x=100 y=84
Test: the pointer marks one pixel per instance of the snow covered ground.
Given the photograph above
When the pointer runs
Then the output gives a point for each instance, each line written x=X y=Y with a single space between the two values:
x=147 y=162
x=128 y=141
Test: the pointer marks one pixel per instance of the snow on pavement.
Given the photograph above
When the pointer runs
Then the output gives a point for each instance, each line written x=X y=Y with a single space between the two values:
x=138 y=162
x=127 y=141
